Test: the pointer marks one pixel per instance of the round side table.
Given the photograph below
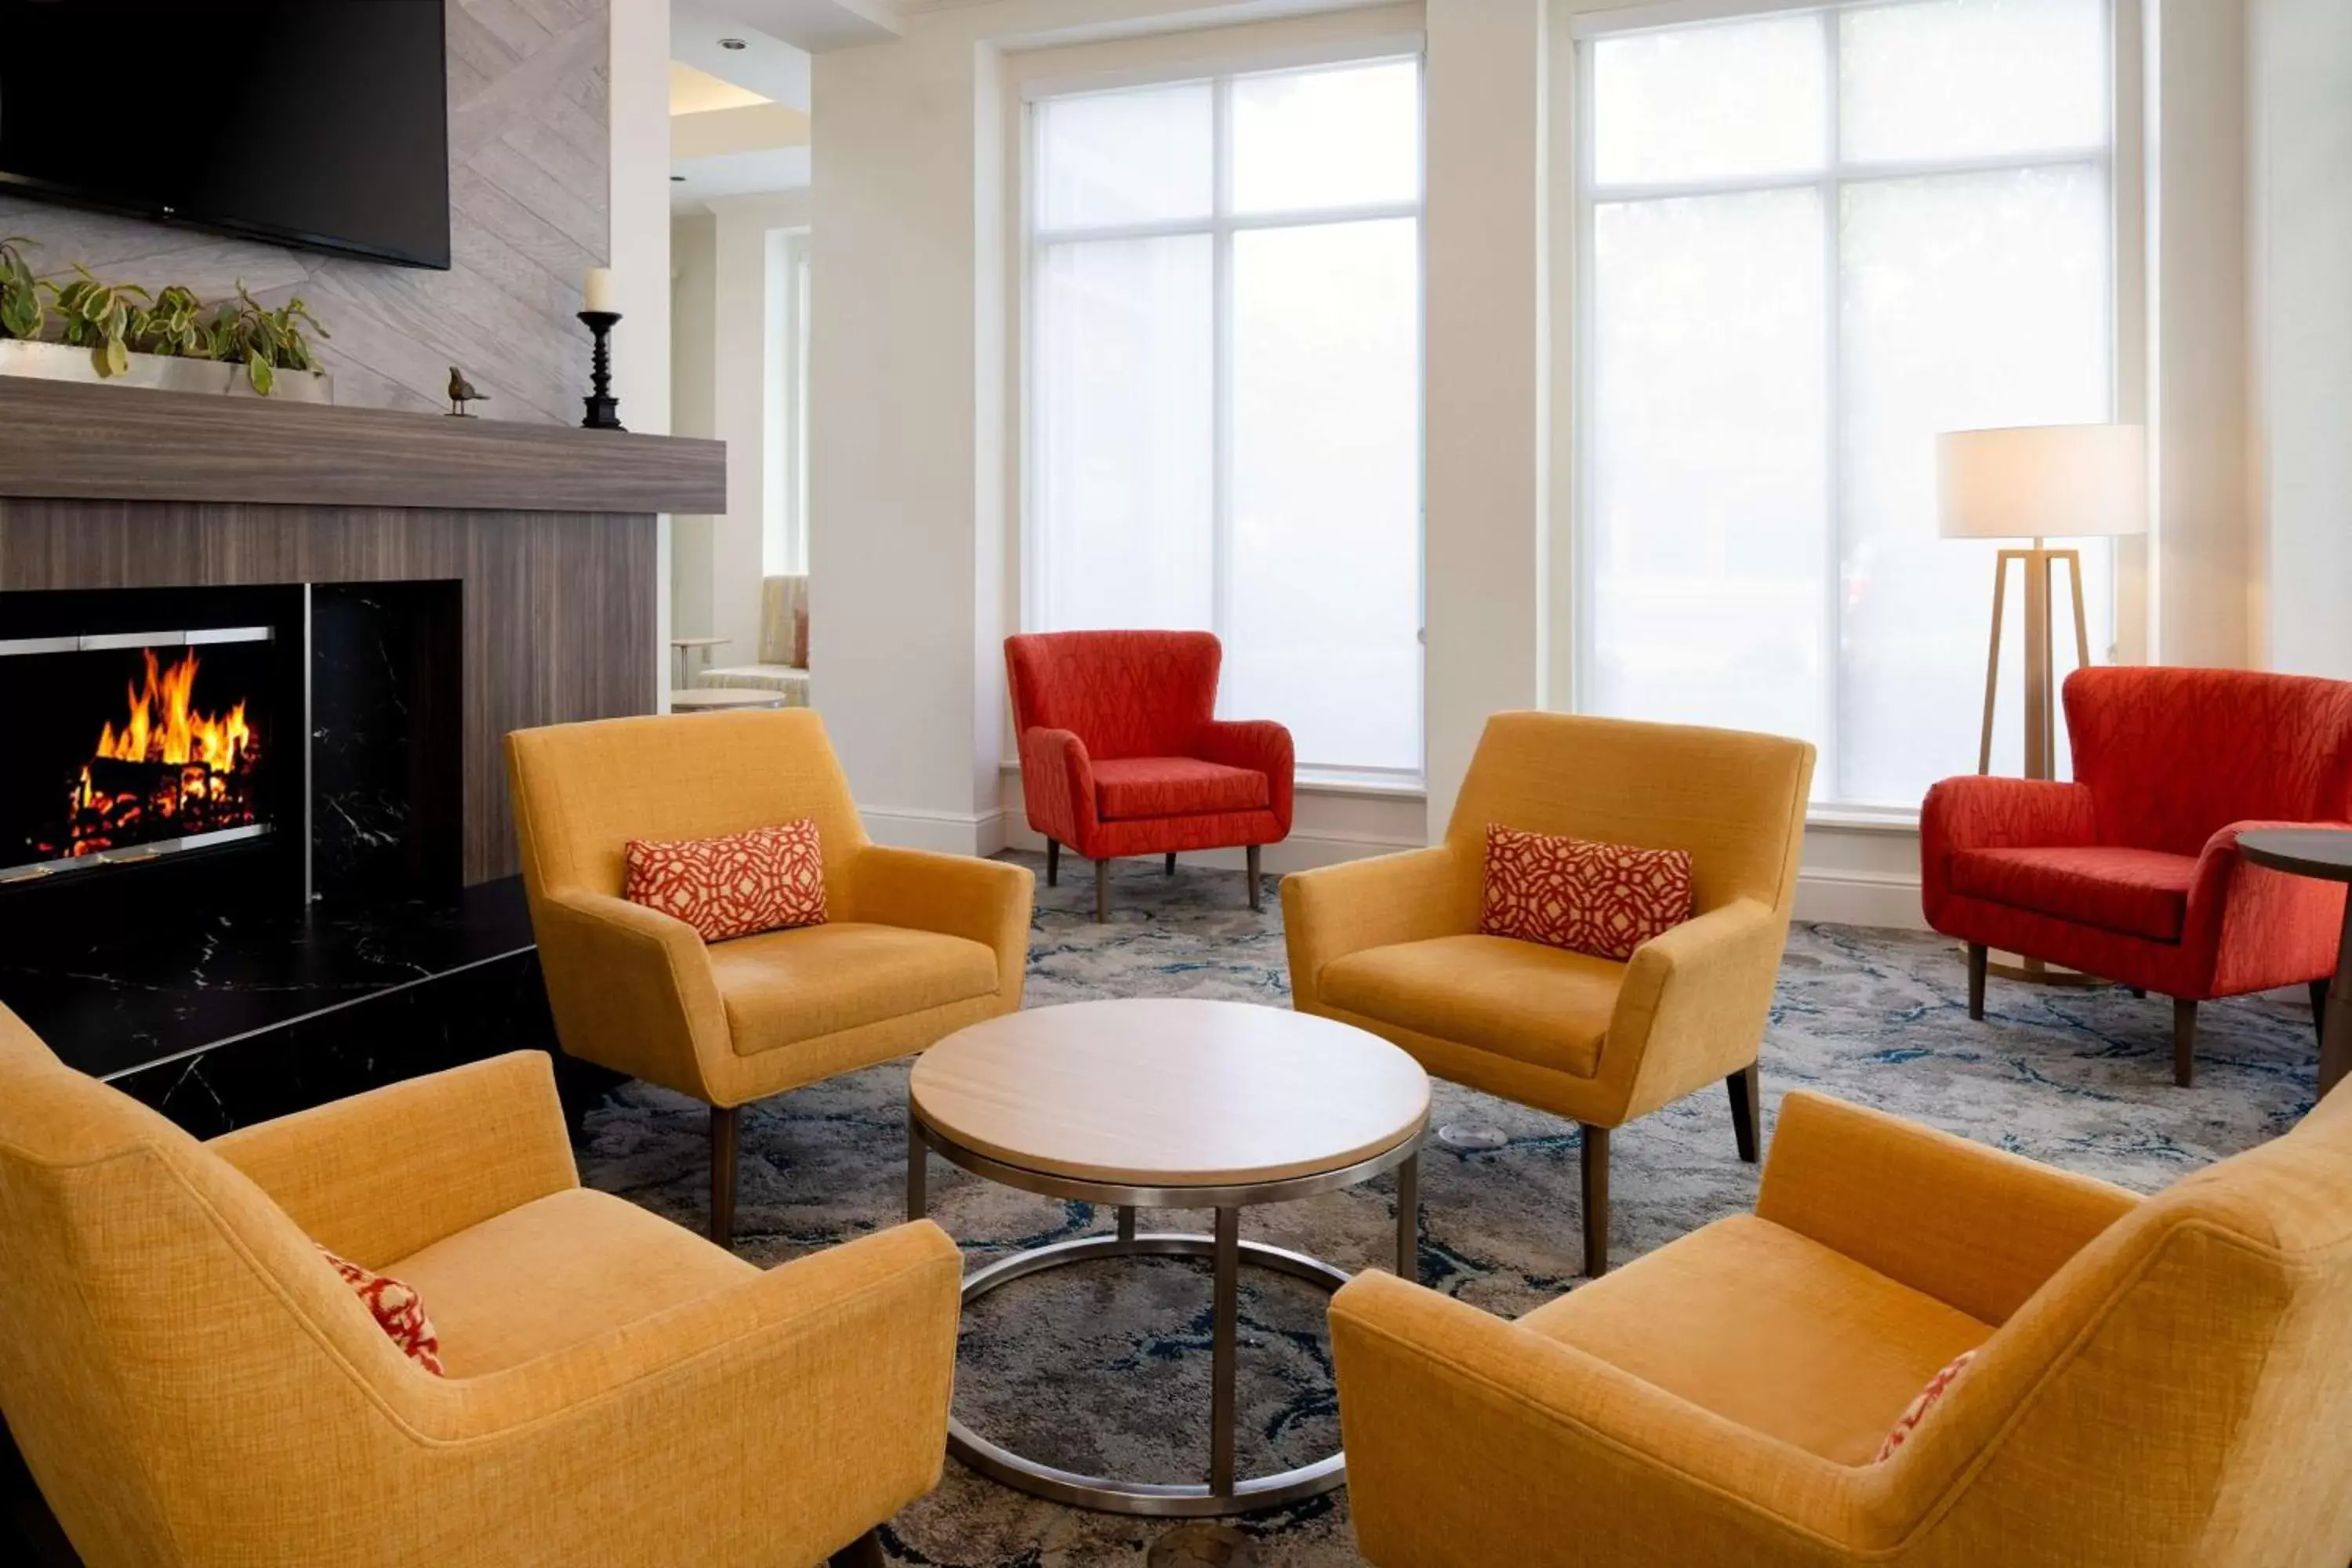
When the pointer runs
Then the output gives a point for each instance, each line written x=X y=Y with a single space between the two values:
x=1169 y=1104
x=2325 y=853
x=723 y=700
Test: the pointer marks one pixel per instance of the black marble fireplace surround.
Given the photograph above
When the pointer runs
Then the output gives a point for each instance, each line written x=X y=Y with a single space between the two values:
x=233 y=981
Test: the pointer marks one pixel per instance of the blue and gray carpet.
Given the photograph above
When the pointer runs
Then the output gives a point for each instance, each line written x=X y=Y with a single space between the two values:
x=1104 y=1367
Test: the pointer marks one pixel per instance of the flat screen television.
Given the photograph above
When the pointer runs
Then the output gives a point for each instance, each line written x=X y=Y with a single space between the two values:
x=322 y=123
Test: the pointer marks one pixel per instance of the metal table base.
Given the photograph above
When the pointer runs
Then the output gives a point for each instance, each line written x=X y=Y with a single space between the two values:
x=1223 y=1493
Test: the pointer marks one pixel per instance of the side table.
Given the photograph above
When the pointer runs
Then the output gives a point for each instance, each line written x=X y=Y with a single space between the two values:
x=2324 y=853
x=723 y=700
x=682 y=650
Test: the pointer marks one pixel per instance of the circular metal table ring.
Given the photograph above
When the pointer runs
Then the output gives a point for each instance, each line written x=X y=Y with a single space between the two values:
x=1008 y=1080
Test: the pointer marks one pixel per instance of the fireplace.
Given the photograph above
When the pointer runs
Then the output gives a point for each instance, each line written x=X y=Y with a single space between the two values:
x=429 y=585
x=178 y=755
x=183 y=759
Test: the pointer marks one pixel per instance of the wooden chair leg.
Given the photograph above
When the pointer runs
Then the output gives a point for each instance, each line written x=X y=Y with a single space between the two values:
x=2319 y=1011
x=1171 y=863
x=865 y=1552
x=1978 y=957
x=1256 y=892
x=2184 y=1041
x=723 y=1118
x=1102 y=892
x=1596 y=1201
x=1053 y=862
x=1746 y=1109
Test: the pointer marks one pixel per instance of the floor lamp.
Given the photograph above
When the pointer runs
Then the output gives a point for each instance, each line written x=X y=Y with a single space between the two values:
x=2039 y=482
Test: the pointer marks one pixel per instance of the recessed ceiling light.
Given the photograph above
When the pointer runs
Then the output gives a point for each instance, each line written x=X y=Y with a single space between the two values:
x=733 y=43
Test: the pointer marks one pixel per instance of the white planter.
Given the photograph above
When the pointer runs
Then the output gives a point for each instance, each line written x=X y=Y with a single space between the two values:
x=158 y=373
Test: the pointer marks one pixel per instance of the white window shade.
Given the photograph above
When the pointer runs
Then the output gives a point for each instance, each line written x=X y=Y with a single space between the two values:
x=1225 y=403
x=1112 y=158
x=1814 y=241
x=1737 y=99
x=1125 y=414
x=1323 y=602
x=1709 y=475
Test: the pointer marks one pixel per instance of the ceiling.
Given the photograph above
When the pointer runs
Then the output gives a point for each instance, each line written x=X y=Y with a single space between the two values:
x=740 y=90
x=693 y=91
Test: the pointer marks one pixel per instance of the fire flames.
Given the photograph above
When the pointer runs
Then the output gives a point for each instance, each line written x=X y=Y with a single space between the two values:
x=170 y=771
x=165 y=726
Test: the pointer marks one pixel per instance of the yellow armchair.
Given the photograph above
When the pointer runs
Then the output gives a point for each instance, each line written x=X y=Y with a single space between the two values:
x=192 y=1386
x=2156 y=1384
x=1392 y=944
x=917 y=946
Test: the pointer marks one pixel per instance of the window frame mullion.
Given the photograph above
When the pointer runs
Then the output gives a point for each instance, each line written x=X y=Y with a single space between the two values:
x=1832 y=190
x=1221 y=377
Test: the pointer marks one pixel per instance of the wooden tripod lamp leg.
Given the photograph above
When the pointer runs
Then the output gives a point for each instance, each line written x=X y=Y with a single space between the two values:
x=2073 y=559
x=1992 y=661
x=2038 y=727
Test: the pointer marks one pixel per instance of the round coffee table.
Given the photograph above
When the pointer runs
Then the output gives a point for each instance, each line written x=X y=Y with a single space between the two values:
x=2324 y=853
x=1169 y=1104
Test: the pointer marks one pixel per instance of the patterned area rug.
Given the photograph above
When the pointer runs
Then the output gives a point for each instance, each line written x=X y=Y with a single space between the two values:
x=1104 y=1367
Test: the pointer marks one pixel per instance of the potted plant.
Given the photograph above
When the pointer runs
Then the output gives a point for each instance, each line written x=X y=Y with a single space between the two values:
x=266 y=341
x=98 y=316
x=171 y=340
x=23 y=311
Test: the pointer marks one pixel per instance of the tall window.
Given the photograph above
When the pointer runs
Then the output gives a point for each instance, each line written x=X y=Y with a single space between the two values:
x=1225 y=388
x=784 y=510
x=1810 y=242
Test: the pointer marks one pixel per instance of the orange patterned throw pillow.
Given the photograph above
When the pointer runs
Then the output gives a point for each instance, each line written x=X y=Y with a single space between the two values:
x=1605 y=899
x=1916 y=1411
x=396 y=1308
x=766 y=879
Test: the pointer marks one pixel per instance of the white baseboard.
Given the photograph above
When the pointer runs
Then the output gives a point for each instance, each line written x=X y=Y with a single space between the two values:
x=1856 y=897
x=943 y=832
x=1846 y=894
x=1299 y=852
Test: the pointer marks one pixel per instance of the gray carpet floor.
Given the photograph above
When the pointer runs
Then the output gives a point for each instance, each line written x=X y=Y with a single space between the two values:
x=1105 y=1367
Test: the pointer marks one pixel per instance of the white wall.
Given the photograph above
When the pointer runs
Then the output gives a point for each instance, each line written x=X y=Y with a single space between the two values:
x=2302 y=191
x=2198 y=333
x=638 y=83
x=746 y=323
x=694 y=404
x=896 y=608
x=1487 y=513
x=725 y=345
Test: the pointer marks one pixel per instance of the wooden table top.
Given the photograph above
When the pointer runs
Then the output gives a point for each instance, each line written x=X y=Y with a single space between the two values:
x=699 y=642
x=2306 y=851
x=1165 y=1092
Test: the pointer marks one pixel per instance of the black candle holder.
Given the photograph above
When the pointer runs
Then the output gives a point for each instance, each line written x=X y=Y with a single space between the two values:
x=603 y=408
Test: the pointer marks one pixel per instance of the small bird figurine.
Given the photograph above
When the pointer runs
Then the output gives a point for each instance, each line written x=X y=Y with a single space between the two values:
x=461 y=392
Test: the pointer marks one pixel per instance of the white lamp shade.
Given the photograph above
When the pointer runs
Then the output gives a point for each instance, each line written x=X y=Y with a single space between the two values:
x=2045 y=481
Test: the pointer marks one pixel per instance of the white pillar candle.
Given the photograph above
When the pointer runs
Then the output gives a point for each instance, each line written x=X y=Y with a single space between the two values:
x=598 y=289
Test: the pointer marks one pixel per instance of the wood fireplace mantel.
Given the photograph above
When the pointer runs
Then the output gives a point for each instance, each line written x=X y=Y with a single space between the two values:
x=549 y=532
x=62 y=440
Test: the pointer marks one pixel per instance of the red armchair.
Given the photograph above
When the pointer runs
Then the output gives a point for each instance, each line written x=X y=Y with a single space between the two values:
x=2132 y=872
x=1121 y=753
